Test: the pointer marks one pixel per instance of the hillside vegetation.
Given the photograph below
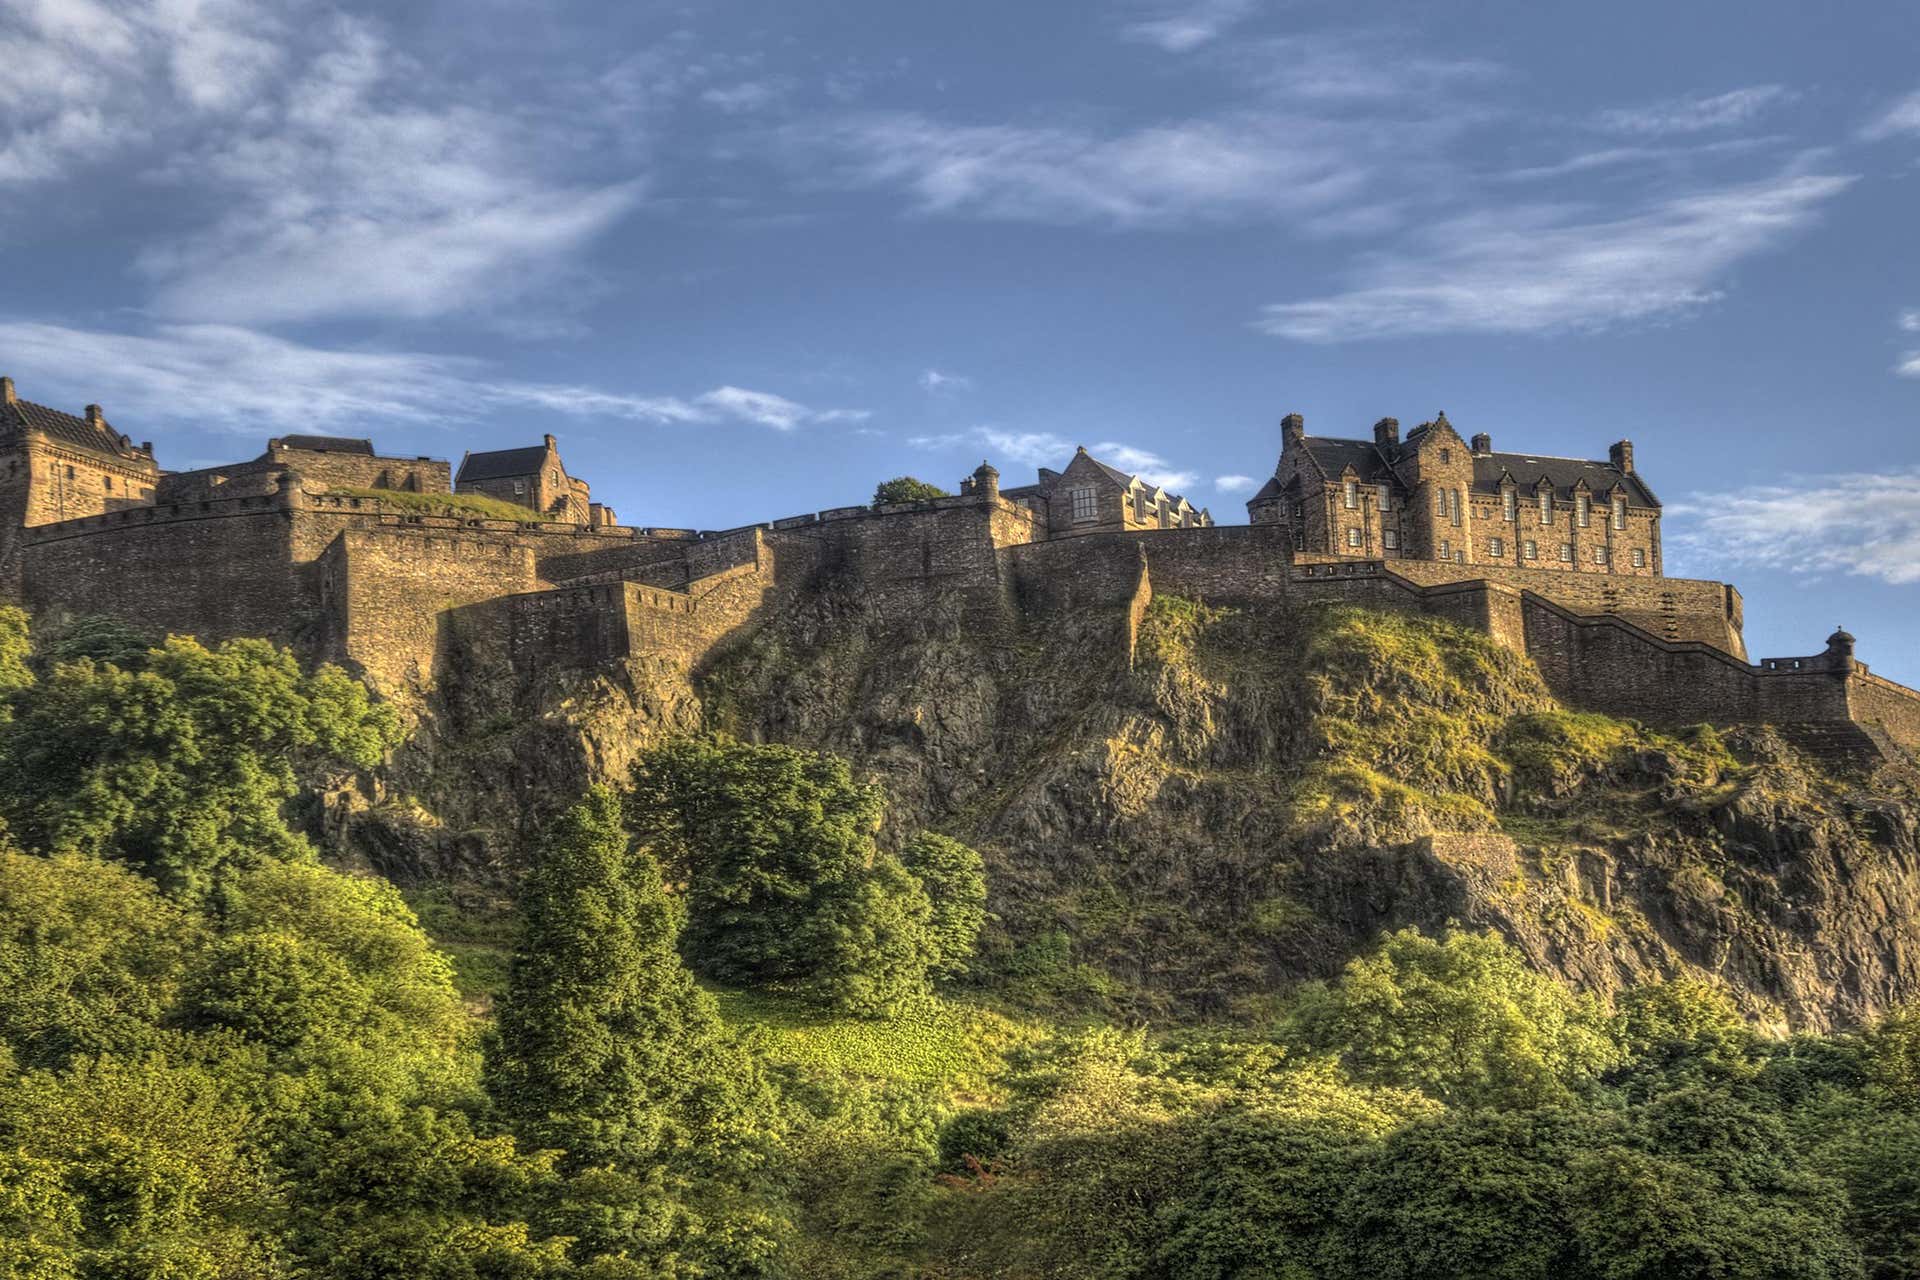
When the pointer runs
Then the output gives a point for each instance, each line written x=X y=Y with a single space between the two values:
x=1322 y=945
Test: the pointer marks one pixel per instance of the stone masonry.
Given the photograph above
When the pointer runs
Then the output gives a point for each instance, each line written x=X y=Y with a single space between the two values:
x=304 y=545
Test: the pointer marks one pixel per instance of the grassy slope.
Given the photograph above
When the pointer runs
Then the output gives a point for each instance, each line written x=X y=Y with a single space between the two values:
x=466 y=506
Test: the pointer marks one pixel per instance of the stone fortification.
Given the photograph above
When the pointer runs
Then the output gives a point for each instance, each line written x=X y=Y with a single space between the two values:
x=379 y=563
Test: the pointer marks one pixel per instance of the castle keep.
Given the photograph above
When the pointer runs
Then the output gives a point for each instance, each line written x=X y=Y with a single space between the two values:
x=401 y=567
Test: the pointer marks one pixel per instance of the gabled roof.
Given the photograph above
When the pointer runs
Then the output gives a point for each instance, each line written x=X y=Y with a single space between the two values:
x=24 y=415
x=1372 y=465
x=503 y=464
x=328 y=444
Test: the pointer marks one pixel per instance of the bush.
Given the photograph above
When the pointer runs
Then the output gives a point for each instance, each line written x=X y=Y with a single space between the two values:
x=906 y=489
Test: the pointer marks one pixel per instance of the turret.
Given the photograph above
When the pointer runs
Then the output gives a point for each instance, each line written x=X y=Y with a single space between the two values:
x=1840 y=649
x=986 y=483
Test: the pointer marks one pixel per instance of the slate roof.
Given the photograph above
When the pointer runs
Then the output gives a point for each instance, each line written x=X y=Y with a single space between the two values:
x=503 y=464
x=67 y=429
x=1372 y=465
x=328 y=444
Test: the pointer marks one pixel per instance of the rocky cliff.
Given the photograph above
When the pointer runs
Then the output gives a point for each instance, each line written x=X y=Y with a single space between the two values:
x=1189 y=810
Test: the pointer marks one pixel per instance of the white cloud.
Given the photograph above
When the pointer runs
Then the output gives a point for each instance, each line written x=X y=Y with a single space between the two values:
x=1185 y=28
x=248 y=382
x=1234 y=483
x=354 y=192
x=1901 y=117
x=1910 y=320
x=1695 y=113
x=1862 y=524
x=1541 y=268
x=934 y=380
x=1046 y=449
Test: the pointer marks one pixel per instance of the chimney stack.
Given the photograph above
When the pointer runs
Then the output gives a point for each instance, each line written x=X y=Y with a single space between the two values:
x=6 y=391
x=1386 y=432
x=1293 y=427
x=95 y=418
x=1620 y=454
x=1482 y=445
x=551 y=442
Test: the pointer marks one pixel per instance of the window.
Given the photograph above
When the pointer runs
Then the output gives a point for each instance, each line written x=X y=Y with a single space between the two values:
x=1600 y=556
x=1619 y=513
x=1353 y=537
x=1496 y=547
x=1350 y=494
x=108 y=482
x=69 y=473
x=1446 y=549
x=1581 y=510
x=1299 y=511
x=1390 y=539
x=1639 y=557
x=519 y=488
x=1084 y=505
x=1546 y=506
x=1509 y=505
x=1446 y=456
x=1566 y=553
x=1531 y=549
x=1459 y=557
x=1386 y=497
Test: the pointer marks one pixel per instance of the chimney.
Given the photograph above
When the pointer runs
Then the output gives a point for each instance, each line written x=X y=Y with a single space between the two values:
x=1620 y=454
x=6 y=391
x=95 y=418
x=146 y=446
x=1293 y=427
x=1386 y=432
x=552 y=443
x=1482 y=445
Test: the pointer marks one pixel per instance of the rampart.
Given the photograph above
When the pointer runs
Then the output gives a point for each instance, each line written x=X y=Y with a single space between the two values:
x=356 y=579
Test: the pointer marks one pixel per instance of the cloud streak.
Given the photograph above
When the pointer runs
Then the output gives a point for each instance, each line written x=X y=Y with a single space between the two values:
x=1865 y=525
x=1184 y=28
x=247 y=382
x=1696 y=113
x=1542 y=268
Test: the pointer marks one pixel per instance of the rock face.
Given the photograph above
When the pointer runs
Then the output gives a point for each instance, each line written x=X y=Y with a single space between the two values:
x=1195 y=812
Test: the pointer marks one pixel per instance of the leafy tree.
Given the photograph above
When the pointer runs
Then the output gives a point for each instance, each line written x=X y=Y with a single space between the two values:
x=91 y=958
x=906 y=489
x=606 y=1049
x=1893 y=1055
x=956 y=885
x=98 y=636
x=182 y=768
x=136 y=1166
x=1463 y=1018
x=15 y=646
x=784 y=881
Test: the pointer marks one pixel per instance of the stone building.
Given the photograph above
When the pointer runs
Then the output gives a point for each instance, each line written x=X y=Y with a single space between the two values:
x=332 y=462
x=531 y=477
x=1092 y=497
x=55 y=466
x=1437 y=497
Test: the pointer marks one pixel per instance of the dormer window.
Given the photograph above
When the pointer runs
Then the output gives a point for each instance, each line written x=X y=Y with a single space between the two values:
x=1350 y=493
x=1581 y=510
x=1619 y=513
x=1509 y=505
x=1546 y=506
x=1386 y=497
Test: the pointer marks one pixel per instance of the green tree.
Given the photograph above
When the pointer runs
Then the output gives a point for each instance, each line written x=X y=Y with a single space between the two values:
x=15 y=647
x=955 y=880
x=784 y=881
x=1463 y=1018
x=906 y=489
x=91 y=957
x=182 y=768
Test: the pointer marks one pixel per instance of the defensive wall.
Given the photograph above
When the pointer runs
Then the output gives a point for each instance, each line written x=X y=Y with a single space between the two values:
x=349 y=578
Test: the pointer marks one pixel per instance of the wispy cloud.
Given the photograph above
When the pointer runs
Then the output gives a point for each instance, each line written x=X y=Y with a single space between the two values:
x=934 y=380
x=1542 y=268
x=1867 y=525
x=1233 y=484
x=1695 y=113
x=1901 y=117
x=248 y=382
x=1909 y=362
x=1184 y=28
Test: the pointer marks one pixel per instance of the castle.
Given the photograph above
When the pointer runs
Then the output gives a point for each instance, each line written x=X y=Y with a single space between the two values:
x=401 y=566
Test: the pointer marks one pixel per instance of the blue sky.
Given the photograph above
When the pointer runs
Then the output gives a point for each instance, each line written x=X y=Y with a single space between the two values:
x=745 y=259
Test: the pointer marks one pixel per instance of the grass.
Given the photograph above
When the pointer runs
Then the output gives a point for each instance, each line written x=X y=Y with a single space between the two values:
x=463 y=506
x=953 y=1043
x=476 y=932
